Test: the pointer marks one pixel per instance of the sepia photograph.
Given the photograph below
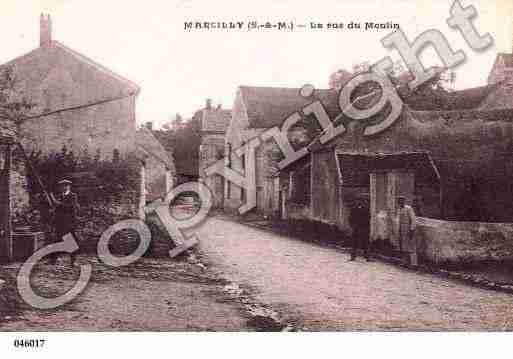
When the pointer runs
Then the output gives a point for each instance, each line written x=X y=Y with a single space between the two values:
x=191 y=166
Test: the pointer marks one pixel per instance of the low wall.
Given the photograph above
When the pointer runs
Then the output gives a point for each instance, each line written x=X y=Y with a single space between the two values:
x=459 y=242
x=298 y=211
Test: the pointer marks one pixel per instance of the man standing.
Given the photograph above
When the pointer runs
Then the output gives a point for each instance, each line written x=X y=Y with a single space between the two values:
x=359 y=219
x=407 y=222
x=65 y=215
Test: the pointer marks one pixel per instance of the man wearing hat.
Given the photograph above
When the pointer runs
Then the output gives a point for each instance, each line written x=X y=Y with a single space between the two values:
x=406 y=222
x=359 y=220
x=65 y=214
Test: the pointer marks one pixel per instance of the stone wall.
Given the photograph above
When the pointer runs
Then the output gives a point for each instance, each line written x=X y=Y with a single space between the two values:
x=19 y=193
x=159 y=180
x=18 y=186
x=211 y=150
x=463 y=242
x=103 y=127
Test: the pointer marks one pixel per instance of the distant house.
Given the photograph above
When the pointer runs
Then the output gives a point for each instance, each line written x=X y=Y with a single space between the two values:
x=502 y=69
x=159 y=168
x=255 y=110
x=214 y=122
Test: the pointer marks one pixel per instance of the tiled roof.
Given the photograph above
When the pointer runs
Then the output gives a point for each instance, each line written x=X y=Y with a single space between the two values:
x=270 y=106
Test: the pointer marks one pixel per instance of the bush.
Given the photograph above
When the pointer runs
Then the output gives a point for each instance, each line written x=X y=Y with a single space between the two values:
x=107 y=189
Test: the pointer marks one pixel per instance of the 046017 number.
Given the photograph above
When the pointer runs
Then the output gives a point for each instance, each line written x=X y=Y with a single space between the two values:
x=29 y=343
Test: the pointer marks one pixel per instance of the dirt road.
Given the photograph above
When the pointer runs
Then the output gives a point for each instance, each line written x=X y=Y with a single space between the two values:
x=318 y=289
x=150 y=295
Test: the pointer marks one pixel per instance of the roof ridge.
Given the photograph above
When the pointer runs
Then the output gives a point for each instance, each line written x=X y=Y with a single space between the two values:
x=80 y=57
x=96 y=65
x=20 y=57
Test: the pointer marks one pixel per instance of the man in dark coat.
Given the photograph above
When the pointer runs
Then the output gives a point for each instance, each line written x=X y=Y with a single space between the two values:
x=359 y=220
x=65 y=215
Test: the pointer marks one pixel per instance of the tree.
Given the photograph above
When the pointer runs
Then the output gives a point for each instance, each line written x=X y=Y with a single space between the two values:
x=14 y=105
x=183 y=141
x=174 y=124
x=339 y=78
x=432 y=92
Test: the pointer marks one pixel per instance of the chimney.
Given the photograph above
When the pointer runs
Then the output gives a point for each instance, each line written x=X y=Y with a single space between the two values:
x=45 y=30
x=208 y=105
x=149 y=125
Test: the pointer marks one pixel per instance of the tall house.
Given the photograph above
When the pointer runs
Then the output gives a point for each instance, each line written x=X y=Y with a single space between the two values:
x=78 y=102
x=214 y=122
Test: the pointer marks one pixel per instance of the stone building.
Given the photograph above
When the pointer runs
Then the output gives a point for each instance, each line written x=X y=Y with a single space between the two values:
x=84 y=107
x=255 y=110
x=78 y=102
x=449 y=156
x=214 y=122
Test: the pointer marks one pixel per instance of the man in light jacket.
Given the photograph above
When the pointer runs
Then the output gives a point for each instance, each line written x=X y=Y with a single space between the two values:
x=406 y=220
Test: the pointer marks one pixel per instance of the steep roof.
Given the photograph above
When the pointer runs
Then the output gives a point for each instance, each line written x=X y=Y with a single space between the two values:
x=57 y=69
x=148 y=145
x=270 y=106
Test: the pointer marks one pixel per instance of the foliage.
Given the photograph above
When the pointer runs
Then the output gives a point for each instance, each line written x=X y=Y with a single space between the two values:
x=184 y=142
x=435 y=89
x=176 y=123
x=14 y=105
x=109 y=177
x=339 y=78
x=107 y=188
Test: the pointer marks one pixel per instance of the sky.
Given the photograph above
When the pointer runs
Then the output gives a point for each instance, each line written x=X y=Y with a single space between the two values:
x=178 y=70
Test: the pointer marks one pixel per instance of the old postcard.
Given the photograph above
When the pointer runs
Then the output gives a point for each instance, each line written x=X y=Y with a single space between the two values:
x=237 y=166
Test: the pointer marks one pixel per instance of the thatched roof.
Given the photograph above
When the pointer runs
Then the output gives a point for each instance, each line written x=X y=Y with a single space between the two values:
x=269 y=106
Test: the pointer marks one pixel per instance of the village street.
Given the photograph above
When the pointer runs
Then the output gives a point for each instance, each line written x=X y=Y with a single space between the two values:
x=316 y=288
x=153 y=294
